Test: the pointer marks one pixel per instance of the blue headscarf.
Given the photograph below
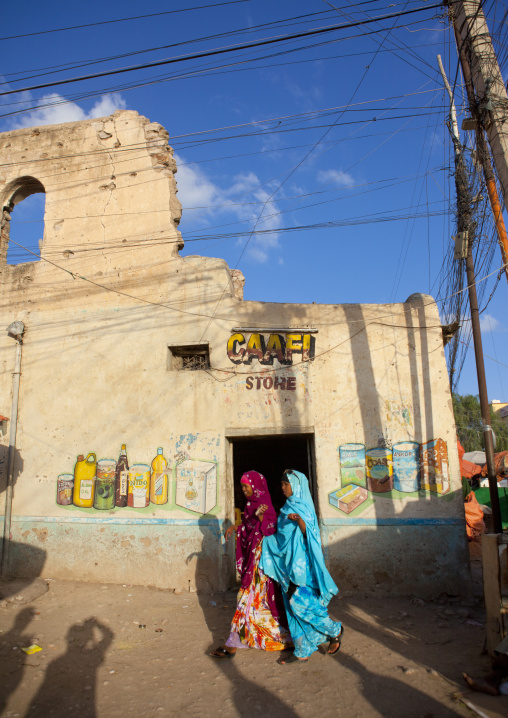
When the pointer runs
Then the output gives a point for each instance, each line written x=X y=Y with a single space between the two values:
x=290 y=557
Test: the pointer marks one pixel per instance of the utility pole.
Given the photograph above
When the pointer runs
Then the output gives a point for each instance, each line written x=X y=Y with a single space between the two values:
x=482 y=149
x=466 y=230
x=473 y=35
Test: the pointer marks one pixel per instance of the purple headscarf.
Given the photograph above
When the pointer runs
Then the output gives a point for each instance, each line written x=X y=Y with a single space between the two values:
x=252 y=529
x=250 y=534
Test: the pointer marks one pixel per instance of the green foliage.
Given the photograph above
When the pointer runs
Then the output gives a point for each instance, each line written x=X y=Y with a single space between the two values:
x=468 y=419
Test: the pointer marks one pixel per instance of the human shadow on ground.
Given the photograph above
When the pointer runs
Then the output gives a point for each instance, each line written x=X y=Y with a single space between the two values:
x=69 y=685
x=390 y=697
x=13 y=661
x=218 y=611
x=251 y=698
x=424 y=642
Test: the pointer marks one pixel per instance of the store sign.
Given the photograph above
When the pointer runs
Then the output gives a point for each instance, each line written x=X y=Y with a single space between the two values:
x=243 y=348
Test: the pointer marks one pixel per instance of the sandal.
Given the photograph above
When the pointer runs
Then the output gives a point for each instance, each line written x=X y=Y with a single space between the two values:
x=338 y=641
x=291 y=659
x=222 y=653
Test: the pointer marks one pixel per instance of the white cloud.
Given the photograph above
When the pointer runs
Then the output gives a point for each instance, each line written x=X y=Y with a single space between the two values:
x=489 y=323
x=53 y=109
x=206 y=203
x=195 y=190
x=336 y=177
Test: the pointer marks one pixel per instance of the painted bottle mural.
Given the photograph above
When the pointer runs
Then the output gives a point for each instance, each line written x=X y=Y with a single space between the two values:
x=104 y=498
x=122 y=478
x=352 y=464
x=139 y=486
x=64 y=489
x=379 y=470
x=435 y=475
x=406 y=466
x=159 y=480
x=84 y=481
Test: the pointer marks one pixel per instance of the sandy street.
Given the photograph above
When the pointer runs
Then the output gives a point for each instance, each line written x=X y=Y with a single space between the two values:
x=113 y=650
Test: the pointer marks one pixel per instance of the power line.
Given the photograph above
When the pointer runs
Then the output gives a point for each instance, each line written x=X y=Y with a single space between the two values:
x=300 y=19
x=122 y=19
x=221 y=51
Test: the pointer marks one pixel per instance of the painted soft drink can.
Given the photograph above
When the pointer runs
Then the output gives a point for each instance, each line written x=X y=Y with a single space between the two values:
x=406 y=466
x=379 y=470
x=104 y=498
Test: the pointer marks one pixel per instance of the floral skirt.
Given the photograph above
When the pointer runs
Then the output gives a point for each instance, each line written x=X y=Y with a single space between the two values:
x=253 y=625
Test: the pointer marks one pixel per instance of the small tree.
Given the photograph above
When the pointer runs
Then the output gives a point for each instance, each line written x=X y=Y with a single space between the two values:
x=468 y=419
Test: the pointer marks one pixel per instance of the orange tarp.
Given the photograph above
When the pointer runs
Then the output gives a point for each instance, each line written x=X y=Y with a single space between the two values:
x=501 y=464
x=475 y=525
x=467 y=468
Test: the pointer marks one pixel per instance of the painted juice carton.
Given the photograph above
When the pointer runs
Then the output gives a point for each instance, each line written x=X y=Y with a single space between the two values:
x=379 y=470
x=352 y=465
x=406 y=466
x=348 y=498
x=196 y=485
x=434 y=471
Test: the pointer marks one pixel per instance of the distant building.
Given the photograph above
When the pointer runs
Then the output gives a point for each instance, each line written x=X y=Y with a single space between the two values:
x=500 y=408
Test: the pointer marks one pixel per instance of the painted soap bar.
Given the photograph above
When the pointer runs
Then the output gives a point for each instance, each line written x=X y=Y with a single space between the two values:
x=352 y=464
x=406 y=466
x=196 y=485
x=348 y=498
x=434 y=471
x=379 y=470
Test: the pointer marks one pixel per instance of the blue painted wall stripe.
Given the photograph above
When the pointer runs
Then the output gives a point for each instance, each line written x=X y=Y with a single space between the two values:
x=328 y=523
x=117 y=520
x=393 y=521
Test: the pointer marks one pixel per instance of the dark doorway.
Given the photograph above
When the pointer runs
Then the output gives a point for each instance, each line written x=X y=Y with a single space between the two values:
x=271 y=455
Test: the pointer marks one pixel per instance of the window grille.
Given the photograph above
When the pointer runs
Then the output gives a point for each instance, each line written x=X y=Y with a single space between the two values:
x=192 y=357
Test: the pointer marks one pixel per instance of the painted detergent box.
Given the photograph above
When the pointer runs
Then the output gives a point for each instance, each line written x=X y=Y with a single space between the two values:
x=196 y=485
x=434 y=471
x=379 y=470
x=348 y=498
x=406 y=466
x=352 y=465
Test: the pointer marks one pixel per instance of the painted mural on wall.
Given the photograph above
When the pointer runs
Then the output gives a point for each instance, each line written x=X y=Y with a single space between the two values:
x=106 y=484
x=404 y=469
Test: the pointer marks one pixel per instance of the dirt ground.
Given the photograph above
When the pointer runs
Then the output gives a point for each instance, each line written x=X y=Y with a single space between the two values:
x=110 y=650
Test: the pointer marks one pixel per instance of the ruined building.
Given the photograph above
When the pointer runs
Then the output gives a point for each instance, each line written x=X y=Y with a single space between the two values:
x=126 y=342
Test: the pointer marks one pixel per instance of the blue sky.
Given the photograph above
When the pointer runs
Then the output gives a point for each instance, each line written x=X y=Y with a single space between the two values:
x=325 y=139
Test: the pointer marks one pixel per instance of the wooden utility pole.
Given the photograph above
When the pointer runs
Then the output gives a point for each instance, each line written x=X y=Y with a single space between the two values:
x=466 y=234
x=482 y=149
x=474 y=40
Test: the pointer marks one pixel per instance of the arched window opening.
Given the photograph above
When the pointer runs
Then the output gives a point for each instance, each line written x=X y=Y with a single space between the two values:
x=22 y=223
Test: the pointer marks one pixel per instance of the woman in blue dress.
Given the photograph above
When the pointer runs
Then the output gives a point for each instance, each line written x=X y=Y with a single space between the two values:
x=294 y=558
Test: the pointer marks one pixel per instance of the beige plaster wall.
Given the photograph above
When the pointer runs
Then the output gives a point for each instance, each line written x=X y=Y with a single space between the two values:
x=95 y=375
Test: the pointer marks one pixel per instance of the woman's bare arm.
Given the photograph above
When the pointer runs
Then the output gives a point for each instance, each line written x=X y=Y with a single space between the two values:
x=301 y=523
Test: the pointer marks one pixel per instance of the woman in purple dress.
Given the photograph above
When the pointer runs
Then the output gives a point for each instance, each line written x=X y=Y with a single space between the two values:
x=259 y=620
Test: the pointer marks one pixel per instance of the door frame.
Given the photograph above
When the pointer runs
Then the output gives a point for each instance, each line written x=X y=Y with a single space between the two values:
x=233 y=433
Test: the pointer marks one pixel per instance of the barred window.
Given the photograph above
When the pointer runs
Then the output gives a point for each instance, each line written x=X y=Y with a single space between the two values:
x=191 y=357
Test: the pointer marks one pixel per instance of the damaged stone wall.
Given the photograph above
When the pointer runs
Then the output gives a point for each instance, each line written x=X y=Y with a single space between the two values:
x=110 y=188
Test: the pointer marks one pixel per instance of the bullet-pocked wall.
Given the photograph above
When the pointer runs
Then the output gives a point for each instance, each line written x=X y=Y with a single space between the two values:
x=123 y=346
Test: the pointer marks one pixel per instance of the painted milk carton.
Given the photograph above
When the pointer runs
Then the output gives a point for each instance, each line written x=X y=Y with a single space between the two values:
x=406 y=466
x=196 y=485
x=348 y=498
x=434 y=471
x=352 y=464
x=379 y=470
